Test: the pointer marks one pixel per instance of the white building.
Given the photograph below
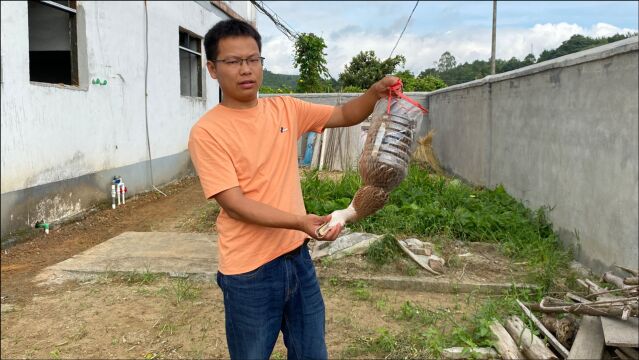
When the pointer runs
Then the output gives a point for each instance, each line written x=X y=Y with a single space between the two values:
x=74 y=75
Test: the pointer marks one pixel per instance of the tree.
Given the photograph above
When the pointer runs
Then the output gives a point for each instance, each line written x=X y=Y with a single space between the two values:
x=408 y=79
x=529 y=59
x=365 y=69
x=446 y=62
x=429 y=83
x=579 y=43
x=310 y=58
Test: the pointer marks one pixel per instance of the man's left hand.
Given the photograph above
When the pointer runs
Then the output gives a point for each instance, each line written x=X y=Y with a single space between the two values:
x=381 y=87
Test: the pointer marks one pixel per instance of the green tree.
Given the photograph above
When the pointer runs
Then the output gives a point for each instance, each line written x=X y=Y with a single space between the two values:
x=311 y=61
x=579 y=43
x=446 y=62
x=274 y=80
x=429 y=83
x=408 y=79
x=530 y=59
x=365 y=69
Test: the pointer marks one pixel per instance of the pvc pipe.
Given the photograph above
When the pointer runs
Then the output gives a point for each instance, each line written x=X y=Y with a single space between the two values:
x=113 y=196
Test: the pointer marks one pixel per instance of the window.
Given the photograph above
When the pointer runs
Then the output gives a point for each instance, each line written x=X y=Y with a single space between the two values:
x=190 y=65
x=53 y=56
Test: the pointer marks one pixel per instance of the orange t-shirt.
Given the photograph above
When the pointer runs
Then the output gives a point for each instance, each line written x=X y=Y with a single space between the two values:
x=255 y=149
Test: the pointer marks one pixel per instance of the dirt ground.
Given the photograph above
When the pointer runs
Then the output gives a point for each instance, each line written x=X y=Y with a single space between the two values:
x=143 y=316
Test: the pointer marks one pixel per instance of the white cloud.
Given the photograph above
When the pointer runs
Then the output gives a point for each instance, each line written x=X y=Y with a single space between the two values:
x=421 y=52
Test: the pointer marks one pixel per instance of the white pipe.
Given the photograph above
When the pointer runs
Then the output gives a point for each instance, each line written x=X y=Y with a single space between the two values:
x=113 y=196
x=325 y=134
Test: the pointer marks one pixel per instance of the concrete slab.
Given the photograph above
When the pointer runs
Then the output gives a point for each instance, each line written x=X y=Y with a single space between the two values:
x=176 y=254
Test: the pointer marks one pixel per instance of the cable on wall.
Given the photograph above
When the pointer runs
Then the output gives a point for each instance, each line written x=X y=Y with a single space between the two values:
x=146 y=94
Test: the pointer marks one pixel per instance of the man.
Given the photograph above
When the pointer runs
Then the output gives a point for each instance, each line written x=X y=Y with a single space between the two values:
x=245 y=153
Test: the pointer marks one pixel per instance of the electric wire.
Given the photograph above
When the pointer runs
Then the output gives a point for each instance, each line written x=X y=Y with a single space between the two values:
x=280 y=23
x=146 y=94
x=405 y=26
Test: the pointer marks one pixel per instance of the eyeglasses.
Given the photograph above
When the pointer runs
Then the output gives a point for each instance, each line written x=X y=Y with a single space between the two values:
x=254 y=61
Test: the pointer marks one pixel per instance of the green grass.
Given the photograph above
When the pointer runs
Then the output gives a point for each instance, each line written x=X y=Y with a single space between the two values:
x=185 y=289
x=427 y=205
x=383 y=251
x=202 y=220
x=424 y=333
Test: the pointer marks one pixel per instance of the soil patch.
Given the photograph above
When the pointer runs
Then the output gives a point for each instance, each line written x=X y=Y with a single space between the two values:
x=127 y=316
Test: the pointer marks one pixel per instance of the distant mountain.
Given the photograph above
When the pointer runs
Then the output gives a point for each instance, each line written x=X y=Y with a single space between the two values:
x=275 y=81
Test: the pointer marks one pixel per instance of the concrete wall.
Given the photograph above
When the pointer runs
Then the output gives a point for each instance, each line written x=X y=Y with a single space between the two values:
x=62 y=144
x=561 y=134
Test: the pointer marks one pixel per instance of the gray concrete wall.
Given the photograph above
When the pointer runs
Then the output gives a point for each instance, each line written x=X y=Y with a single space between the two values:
x=561 y=134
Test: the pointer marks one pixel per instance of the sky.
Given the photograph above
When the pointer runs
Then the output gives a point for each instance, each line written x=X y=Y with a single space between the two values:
x=461 y=27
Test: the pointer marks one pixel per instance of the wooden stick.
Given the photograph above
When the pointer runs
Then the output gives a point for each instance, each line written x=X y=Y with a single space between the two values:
x=613 y=279
x=577 y=298
x=616 y=307
x=632 y=280
x=505 y=345
x=621 y=355
x=611 y=291
x=632 y=353
x=631 y=271
x=532 y=346
x=630 y=302
x=553 y=341
x=593 y=286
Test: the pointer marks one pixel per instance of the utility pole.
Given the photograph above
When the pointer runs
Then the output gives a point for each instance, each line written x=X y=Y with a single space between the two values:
x=492 y=56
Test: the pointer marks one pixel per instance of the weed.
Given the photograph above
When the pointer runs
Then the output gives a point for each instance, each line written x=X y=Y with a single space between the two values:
x=168 y=328
x=381 y=305
x=184 y=289
x=144 y=278
x=361 y=291
x=202 y=221
x=383 y=251
x=55 y=353
x=454 y=262
x=413 y=312
x=278 y=356
x=333 y=280
x=384 y=342
x=80 y=333
x=327 y=261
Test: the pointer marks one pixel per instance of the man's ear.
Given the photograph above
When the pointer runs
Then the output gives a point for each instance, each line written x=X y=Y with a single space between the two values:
x=210 y=65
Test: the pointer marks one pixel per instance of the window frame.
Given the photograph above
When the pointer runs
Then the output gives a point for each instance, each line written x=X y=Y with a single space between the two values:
x=73 y=41
x=190 y=37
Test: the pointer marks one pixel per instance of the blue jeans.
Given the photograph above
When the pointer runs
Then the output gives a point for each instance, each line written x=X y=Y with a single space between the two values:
x=281 y=295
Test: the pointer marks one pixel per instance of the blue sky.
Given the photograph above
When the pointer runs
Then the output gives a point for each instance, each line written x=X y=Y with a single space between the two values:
x=461 y=27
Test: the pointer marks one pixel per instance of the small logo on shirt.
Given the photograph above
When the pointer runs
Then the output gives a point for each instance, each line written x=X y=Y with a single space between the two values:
x=283 y=129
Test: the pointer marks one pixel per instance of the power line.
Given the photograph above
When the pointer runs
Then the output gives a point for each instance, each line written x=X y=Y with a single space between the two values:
x=405 y=26
x=280 y=23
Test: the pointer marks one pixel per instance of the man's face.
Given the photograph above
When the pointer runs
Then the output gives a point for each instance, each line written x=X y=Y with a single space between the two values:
x=239 y=80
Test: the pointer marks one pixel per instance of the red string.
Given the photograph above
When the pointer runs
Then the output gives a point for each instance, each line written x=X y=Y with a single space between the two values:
x=397 y=89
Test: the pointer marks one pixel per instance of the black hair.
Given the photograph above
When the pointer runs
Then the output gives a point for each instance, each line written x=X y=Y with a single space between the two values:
x=228 y=28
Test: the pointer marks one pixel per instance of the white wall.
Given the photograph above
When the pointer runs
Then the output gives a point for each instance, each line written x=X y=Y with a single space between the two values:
x=54 y=132
x=52 y=135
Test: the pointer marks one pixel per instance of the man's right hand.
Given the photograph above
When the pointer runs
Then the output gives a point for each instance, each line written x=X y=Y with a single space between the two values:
x=310 y=223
